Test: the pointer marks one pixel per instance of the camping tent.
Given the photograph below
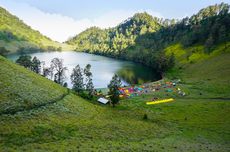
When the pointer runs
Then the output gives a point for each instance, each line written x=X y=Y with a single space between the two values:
x=103 y=100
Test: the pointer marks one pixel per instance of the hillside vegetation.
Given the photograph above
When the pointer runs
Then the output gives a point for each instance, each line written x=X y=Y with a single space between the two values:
x=71 y=123
x=114 y=40
x=155 y=42
x=16 y=36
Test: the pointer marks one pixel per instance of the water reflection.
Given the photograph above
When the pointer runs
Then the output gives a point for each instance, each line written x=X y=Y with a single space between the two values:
x=136 y=74
x=103 y=68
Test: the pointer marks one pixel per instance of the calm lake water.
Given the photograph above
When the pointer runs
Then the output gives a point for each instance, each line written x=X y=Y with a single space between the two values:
x=103 y=68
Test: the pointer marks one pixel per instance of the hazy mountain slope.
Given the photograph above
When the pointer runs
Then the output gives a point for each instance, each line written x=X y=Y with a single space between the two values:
x=15 y=34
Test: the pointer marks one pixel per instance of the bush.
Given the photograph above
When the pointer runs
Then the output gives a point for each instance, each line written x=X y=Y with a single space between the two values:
x=145 y=117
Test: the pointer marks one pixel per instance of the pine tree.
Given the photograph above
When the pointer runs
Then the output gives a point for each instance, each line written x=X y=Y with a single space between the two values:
x=223 y=36
x=77 y=79
x=89 y=81
x=113 y=86
x=36 y=65
x=209 y=43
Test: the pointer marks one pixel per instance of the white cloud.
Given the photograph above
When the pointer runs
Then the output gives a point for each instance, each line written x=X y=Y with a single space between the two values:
x=59 y=27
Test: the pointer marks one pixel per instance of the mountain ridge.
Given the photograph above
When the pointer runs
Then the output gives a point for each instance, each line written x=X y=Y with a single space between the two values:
x=15 y=35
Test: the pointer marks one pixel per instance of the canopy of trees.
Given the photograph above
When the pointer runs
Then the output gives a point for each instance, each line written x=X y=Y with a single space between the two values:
x=143 y=38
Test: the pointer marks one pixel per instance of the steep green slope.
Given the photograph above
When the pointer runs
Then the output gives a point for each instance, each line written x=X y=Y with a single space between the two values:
x=15 y=34
x=208 y=78
x=22 y=89
x=72 y=123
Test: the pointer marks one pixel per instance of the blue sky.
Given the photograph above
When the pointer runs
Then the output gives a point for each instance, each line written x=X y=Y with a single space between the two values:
x=61 y=19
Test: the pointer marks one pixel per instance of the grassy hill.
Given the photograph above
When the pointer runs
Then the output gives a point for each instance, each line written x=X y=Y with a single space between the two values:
x=22 y=89
x=51 y=119
x=15 y=34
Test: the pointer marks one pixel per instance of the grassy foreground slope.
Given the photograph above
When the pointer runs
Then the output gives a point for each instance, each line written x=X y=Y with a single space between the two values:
x=23 y=89
x=73 y=124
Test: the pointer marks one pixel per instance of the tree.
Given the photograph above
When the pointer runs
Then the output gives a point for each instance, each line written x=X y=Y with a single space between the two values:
x=113 y=86
x=59 y=69
x=3 y=51
x=46 y=72
x=223 y=36
x=65 y=85
x=89 y=81
x=172 y=60
x=36 y=65
x=77 y=79
x=90 y=86
x=24 y=60
x=209 y=43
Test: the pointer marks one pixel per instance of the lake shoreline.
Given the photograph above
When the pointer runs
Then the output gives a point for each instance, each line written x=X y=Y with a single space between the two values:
x=129 y=71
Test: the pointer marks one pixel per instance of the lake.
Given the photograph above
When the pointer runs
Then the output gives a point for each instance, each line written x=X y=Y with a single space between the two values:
x=103 y=68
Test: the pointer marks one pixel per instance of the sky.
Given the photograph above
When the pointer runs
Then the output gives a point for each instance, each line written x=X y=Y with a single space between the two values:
x=62 y=19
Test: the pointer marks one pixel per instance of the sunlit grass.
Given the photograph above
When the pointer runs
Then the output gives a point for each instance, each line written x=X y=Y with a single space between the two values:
x=191 y=123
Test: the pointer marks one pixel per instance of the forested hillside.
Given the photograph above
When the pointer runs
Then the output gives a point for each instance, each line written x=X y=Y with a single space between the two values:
x=113 y=41
x=16 y=36
x=160 y=43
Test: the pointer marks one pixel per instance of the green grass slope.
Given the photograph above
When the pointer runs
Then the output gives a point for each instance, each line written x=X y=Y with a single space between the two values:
x=205 y=75
x=74 y=124
x=23 y=89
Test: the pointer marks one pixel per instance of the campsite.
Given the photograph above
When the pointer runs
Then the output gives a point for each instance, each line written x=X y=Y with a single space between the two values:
x=161 y=91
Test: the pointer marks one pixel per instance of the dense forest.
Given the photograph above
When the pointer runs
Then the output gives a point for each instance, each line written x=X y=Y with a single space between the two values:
x=145 y=39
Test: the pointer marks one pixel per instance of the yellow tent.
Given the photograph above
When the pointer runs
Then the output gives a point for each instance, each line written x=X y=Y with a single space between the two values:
x=160 y=101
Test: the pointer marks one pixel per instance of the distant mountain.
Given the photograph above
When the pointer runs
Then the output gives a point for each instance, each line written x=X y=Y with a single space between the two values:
x=115 y=39
x=15 y=35
x=156 y=42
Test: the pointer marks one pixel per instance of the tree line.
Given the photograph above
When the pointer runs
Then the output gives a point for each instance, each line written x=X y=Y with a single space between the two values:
x=143 y=38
